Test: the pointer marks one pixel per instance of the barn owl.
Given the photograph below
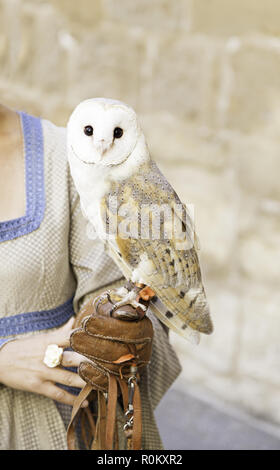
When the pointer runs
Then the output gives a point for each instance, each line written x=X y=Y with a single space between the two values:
x=130 y=205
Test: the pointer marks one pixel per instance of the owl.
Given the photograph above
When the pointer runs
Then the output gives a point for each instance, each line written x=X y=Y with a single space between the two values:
x=131 y=207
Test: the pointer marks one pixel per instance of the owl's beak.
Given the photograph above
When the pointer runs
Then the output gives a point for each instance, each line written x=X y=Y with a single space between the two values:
x=102 y=146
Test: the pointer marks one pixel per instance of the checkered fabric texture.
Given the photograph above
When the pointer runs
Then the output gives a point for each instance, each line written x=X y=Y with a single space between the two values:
x=44 y=269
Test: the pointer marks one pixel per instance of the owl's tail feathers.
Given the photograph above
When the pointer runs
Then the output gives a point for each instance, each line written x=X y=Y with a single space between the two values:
x=200 y=318
x=184 y=311
x=195 y=310
x=173 y=323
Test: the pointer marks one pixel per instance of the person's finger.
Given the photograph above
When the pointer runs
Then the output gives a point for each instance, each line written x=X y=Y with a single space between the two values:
x=64 y=377
x=71 y=359
x=61 y=336
x=51 y=390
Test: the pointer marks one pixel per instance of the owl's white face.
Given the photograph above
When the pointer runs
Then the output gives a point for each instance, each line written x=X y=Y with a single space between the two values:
x=102 y=131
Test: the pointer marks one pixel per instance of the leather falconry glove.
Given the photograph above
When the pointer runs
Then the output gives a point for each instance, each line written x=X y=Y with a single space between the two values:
x=117 y=341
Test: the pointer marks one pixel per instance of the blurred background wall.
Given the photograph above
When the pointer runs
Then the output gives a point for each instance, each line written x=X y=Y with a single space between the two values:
x=204 y=77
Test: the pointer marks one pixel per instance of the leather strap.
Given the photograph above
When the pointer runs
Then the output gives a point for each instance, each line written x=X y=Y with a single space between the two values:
x=124 y=390
x=84 y=393
x=111 y=411
x=105 y=430
x=137 y=422
x=86 y=414
x=99 y=438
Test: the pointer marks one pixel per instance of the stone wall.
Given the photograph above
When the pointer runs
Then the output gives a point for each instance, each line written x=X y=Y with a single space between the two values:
x=204 y=76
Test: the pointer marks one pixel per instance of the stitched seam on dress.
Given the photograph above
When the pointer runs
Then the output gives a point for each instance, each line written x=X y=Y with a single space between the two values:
x=4 y=341
x=35 y=321
x=34 y=182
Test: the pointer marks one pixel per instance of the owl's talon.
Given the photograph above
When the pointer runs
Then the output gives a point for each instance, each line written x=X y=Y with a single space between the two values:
x=124 y=315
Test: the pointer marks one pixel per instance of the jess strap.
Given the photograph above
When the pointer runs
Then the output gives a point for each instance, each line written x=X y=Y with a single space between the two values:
x=117 y=351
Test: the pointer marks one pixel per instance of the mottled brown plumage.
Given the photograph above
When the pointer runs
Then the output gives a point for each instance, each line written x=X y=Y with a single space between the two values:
x=177 y=280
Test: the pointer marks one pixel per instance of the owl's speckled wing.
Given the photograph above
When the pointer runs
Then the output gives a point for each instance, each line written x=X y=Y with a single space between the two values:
x=169 y=264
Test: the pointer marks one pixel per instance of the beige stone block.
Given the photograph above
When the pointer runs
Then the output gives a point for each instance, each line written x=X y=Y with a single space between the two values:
x=259 y=249
x=216 y=208
x=30 y=100
x=216 y=353
x=86 y=12
x=34 y=58
x=156 y=15
x=179 y=78
x=173 y=141
x=233 y=17
x=3 y=44
x=10 y=37
x=258 y=166
x=259 y=340
x=104 y=63
x=254 y=95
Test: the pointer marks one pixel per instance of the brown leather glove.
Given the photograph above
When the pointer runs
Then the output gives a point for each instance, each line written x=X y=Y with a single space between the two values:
x=113 y=339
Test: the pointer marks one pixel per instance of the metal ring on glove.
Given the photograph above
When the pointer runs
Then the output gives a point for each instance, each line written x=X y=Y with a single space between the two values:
x=53 y=355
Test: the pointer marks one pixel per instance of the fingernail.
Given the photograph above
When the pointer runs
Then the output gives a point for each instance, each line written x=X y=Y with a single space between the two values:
x=85 y=404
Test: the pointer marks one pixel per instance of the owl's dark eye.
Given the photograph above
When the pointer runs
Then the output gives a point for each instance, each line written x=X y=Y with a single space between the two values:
x=118 y=132
x=88 y=130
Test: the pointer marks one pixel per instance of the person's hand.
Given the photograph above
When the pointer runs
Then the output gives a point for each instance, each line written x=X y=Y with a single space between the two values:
x=22 y=367
x=111 y=339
